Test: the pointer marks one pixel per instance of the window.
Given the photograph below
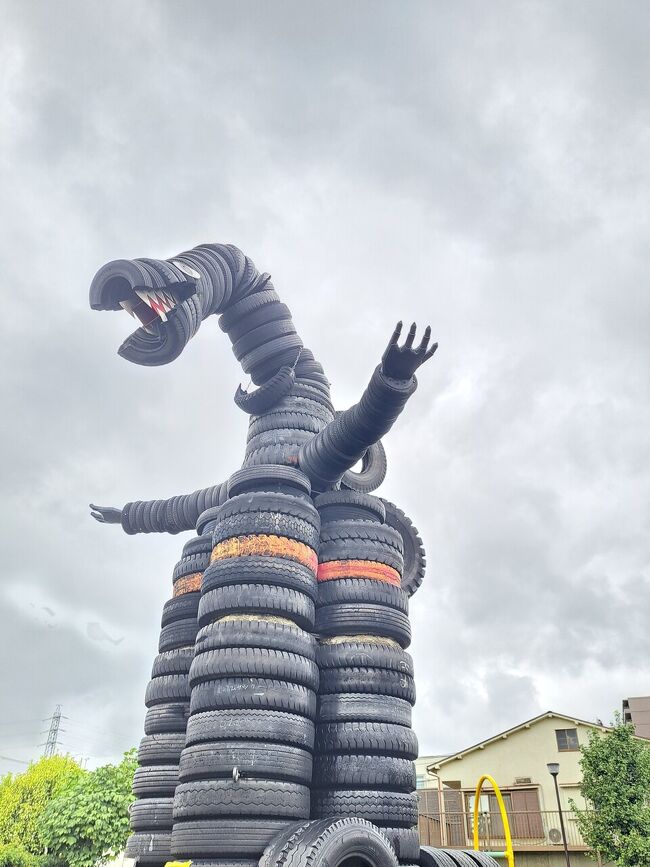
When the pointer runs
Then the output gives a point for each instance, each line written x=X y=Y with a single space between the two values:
x=567 y=740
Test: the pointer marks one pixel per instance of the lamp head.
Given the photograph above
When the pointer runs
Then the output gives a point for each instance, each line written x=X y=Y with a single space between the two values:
x=553 y=768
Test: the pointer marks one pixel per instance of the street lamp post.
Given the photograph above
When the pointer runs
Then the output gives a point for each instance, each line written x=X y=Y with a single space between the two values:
x=554 y=770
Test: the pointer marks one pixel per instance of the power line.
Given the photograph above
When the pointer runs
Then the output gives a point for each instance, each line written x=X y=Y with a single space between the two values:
x=18 y=761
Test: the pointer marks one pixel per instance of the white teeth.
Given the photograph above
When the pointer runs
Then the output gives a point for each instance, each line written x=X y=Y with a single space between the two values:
x=128 y=305
x=144 y=296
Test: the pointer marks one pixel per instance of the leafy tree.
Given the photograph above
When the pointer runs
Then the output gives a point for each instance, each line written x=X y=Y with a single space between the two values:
x=88 y=823
x=616 y=782
x=24 y=797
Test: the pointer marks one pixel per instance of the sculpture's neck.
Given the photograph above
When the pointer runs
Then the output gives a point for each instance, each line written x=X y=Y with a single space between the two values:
x=259 y=325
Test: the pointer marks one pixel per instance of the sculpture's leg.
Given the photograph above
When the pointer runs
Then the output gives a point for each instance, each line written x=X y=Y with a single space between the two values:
x=363 y=761
x=246 y=768
x=167 y=700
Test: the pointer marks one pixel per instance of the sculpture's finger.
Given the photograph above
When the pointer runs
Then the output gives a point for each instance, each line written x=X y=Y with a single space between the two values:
x=98 y=517
x=396 y=334
x=422 y=348
x=410 y=337
x=431 y=351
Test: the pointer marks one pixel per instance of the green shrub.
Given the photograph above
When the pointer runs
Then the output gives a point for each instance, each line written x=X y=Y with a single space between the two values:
x=13 y=855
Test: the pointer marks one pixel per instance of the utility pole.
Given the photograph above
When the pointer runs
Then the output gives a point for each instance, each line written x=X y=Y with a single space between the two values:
x=53 y=734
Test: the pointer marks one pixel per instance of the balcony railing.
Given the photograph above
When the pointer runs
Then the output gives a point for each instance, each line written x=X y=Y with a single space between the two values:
x=529 y=830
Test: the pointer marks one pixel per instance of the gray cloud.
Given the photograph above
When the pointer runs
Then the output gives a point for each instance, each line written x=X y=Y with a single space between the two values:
x=482 y=168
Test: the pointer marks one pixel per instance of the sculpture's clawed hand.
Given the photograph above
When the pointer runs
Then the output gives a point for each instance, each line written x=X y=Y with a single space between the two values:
x=401 y=362
x=106 y=514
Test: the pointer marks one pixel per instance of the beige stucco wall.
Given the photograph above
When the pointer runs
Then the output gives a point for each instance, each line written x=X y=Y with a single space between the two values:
x=525 y=753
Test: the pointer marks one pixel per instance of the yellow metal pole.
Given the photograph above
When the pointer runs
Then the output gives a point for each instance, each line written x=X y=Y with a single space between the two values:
x=508 y=854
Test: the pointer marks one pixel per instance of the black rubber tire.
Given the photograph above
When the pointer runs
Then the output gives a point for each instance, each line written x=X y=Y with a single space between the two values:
x=181 y=607
x=460 y=858
x=360 y=549
x=179 y=634
x=430 y=857
x=164 y=718
x=173 y=662
x=415 y=560
x=222 y=862
x=266 y=726
x=149 y=847
x=212 y=799
x=357 y=707
x=254 y=662
x=280 y=453
x=255 y=693
x=281 y=419
x=334 y=506
x=241 y=310
x=267 y=523
x=271 y=634
x=287 y=436
x=481 y=858
x=352 y=654
x=314 y=402
x=262 y=760
x=384 y=739
x=374 y=466
x=153 y=781
x=355 y=530
x=310 y=392
x=193 y=564
x=197 y=545
x=272 y=312
x=161 y=749
x=167 y=688
x=405 y=842
x=152 y=814
x=367 y=590
x=385 y=809
x=368 y=772
x=267 y=479
x=258 y=599
x=327 y=842
x=268 y=395
x=362 y=619
x=278 y=571
x=378 y=681
x=230 y=837
x=207 y=521
x=277 y=503
x=250 y=341
x=263 y=361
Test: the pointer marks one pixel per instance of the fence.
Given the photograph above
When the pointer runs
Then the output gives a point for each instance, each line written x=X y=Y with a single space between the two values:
x=530 y=830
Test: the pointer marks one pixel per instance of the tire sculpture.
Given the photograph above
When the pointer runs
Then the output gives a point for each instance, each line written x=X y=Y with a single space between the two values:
x=279 y=710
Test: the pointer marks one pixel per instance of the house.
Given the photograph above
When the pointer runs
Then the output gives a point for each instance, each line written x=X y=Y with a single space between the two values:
x=637 y=712
x=517 y=759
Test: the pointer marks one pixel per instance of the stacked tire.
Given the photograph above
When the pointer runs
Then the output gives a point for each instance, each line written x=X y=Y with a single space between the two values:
x=245 y=773
x=363 y=761
x=167 y=700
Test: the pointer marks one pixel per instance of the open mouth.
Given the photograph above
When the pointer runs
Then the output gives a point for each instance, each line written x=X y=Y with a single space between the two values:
x=149 y=305
x=158 y=295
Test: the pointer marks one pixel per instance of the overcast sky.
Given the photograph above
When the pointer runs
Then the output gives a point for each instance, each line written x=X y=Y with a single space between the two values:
x=479 y=166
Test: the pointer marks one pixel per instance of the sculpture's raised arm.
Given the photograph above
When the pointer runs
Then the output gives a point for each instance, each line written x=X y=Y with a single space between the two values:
x=339 y=446
x=162 y=516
